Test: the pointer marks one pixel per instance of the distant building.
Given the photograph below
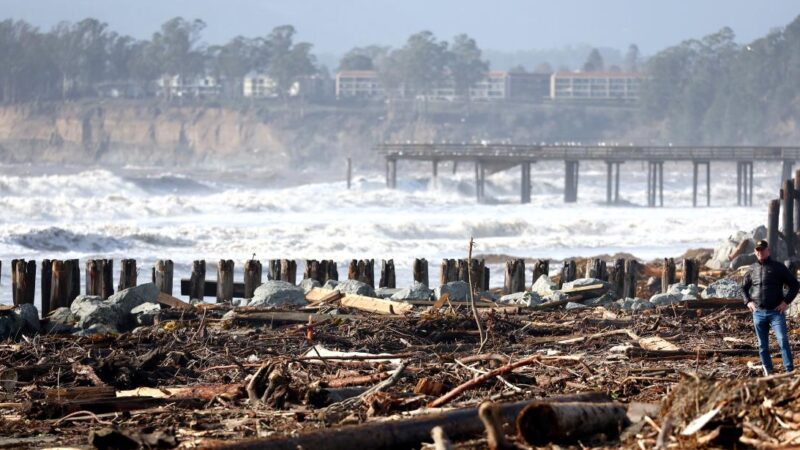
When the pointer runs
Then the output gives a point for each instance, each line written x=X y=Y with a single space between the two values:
x=120 y=89
x=493 y=87
x=530 y=87
x=359 y=84
x=312 y=87
x=259 y=85
x=595 y=86
x=177 y=86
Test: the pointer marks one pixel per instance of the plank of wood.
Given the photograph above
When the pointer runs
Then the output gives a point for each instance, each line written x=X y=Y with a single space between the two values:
x=320 y=295
x=375 y=305
x=589 y=288
x=657 y=343
x=172 y=302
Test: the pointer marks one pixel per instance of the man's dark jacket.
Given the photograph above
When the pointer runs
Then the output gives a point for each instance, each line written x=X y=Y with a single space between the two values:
x=766 y=281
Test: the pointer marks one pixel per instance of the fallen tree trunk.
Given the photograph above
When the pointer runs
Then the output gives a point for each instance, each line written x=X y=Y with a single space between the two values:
x=542 y=423
x=395 y=434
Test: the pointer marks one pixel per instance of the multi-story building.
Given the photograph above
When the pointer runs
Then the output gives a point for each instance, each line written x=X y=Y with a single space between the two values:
x=359 y=84
x=595 y=86
x=177 y=86
x=491 y=88
x=259 y=85
x=529 y=87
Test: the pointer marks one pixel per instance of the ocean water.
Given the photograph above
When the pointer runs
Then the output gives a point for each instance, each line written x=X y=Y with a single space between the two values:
x=148 y=214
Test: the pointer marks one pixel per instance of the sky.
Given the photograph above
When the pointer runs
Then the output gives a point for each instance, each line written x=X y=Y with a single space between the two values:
x=335 y=26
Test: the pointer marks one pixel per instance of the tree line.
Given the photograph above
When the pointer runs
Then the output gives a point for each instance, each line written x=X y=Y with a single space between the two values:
x=715 y=91
x=71 y=59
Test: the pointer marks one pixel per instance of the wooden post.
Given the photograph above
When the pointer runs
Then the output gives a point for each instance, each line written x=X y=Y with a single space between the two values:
x=568 y=272
x=487 y=276
x=667 y=274
x=274 y=272
x=362 y=270
x=127 y=274
x=224 y=281
x=690 y=272
x=796 y=206
x=514 y=276
x=74 y=267
x=788 y=215
x=23 y=280
x=197 y=281
x=288 y=271
x=631 y=271
x=540 y=267
x=46 y=280
x=252 y=277
x=387 y=274
x=420 y=270
x=773 y=214
x=618 y=280
x=108 y=278
x=61 y=285
x=596 y=268
x=328 y=270
x=94 y=277
x=162 y=275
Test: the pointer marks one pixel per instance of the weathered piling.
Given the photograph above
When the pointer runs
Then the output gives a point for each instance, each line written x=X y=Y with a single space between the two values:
x=690 y=272
x=362 y=270
x=448 y=271
x=514 y=276
x=420 y=270
x=321 y=271
x=224 y=280
x=617 y=276
x=667 y=274
x=46 y=282
x=631 y=271
x=283 y=270
x=197 y=281
x=796 y=206
x=477 y=270
x=23 y=281
x=100 y=277
x=252 y=277
x=787 y=199
x=163 y=275
x=127 y=274
x=596 y=268
x=568 y=272
x=387 y=279
x=540 y=267
x=62 y=291
x=773 y=213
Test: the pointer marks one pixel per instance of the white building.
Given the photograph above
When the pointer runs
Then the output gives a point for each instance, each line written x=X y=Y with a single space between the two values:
x=595 y=86
x=259 y=85
x=359 y=84
x=177 y=86
x=494 y=86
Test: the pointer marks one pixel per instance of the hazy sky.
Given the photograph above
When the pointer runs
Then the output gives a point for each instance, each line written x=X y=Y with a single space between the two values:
x=334 y=26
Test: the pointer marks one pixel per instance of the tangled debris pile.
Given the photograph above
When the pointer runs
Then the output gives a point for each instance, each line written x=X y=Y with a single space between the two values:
x=347 y=368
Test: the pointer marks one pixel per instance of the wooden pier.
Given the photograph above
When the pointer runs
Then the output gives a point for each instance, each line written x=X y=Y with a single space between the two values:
x=495 y=157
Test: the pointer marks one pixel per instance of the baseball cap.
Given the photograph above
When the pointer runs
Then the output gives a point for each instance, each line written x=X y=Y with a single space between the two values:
x=762 y=244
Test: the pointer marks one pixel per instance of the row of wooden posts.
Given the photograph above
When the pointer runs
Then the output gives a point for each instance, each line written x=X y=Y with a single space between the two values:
x=60 y=279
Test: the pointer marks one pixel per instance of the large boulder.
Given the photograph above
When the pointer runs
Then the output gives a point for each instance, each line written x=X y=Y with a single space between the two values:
x=125 y=300
x=583 y=282
x=457 y=291
x=574 y=305
x=723 y=288
x=526 y=299
x=28 y=317
x=386 y=292
x=83 y=305
x=417 y=291
x=685 y=290
x=355 y=287
x=330 y=284
x=105 y=317
x=669 y=298
x=278 y=294
x=60 y=320
x=308 y=284
x=743 y=260
x=544 y=286
x=742 y=243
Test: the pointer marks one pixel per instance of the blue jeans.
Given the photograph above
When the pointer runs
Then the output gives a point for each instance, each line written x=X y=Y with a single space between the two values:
x=764 y=319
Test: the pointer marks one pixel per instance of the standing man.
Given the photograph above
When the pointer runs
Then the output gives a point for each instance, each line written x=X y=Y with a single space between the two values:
x=763 y=293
